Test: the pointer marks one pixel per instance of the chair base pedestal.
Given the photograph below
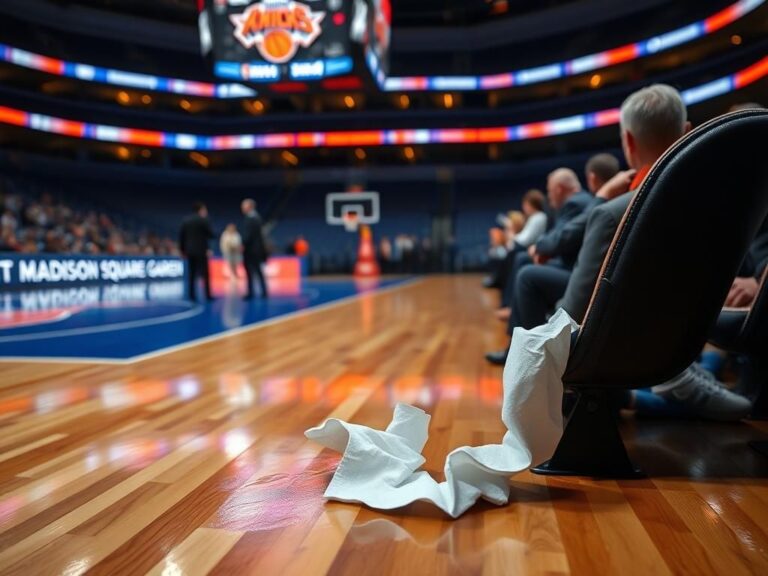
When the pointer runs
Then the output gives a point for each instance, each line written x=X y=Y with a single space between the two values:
x=591 y=444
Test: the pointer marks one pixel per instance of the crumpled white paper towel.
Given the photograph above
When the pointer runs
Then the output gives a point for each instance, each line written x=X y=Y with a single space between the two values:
x=380 y=468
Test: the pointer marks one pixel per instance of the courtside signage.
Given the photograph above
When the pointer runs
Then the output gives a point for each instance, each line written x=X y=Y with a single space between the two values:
x=18 y=270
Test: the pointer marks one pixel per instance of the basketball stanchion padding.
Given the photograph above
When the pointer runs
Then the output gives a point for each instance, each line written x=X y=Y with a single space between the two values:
x=366 y=265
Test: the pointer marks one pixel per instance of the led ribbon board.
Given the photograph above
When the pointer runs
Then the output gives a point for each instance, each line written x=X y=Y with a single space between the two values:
x=365 y=138
x=232 y=70
x=121 y=78
x=580 y=65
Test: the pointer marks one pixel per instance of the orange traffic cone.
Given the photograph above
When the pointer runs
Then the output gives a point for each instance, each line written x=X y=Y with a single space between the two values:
x=366 y=264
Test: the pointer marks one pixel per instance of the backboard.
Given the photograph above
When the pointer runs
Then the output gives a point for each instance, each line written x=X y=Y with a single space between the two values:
x=351 y=209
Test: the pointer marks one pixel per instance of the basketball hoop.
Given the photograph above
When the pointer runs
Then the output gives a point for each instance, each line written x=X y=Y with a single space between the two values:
x=351 y=221
x=352 y=210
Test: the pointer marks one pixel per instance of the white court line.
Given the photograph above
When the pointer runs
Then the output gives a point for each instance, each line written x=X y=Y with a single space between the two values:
x=60 y=318
x=213 y=337
x=194 y=311
x=62 y=360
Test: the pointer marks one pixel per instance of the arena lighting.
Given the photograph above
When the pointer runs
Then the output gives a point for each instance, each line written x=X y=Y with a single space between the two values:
x=120 y=77
x=580 y=65
x=364 y=138
x=589 y=63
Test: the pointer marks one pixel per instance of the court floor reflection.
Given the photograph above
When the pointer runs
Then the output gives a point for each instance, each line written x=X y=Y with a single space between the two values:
x=126 y=321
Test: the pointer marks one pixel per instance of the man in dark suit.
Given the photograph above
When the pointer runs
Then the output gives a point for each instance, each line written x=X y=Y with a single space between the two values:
x=254 y=247
x=194 y=236
x=568 y=199
x=599 y=169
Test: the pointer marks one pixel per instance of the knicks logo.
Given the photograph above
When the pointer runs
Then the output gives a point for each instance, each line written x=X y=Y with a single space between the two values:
x=277 y=28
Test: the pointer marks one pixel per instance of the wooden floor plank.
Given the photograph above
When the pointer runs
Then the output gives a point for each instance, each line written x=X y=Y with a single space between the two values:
x=118 y=469
x=198 y=554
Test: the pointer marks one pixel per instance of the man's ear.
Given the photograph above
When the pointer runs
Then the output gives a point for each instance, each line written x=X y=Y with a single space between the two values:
x=687 y=127
x=592 y=181
x=630 y=141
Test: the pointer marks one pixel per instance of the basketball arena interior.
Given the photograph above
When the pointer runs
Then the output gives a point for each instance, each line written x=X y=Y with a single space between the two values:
x=383 y=287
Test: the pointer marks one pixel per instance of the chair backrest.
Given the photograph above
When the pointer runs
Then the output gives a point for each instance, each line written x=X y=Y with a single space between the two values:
x=674 y=256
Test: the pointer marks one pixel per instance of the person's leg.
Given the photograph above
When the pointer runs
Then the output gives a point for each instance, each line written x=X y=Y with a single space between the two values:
x=206 y=277
x=537 y=290
x=519 y=261
x=504 y=266
x=191 y=277
x=248 y=263
x=262 y=283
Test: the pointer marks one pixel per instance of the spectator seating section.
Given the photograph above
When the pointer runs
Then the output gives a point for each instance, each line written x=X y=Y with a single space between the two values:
x=663 y=281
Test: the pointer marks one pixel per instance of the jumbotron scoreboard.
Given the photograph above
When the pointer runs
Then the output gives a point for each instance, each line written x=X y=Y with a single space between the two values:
x=276 y=41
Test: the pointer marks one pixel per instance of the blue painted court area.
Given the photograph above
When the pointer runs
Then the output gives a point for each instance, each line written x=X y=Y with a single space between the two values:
x=123 y=322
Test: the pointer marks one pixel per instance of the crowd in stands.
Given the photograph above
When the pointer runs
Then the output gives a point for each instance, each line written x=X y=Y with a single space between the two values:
x=409 y=254
x=30 y=224
x=550 y=255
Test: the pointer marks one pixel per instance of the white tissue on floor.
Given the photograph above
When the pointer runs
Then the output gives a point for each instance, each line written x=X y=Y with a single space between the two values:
x=381 y=468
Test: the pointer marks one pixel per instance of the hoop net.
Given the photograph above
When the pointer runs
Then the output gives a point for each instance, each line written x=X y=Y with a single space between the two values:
x=351 y=221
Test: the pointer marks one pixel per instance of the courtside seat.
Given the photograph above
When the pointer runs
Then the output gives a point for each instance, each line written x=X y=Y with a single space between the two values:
x=663 y=281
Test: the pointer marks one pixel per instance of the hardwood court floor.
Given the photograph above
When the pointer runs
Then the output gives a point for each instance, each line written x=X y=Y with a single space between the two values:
x=194 y=462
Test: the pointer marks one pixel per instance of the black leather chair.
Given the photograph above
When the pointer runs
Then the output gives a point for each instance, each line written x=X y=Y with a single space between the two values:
x=663 y=281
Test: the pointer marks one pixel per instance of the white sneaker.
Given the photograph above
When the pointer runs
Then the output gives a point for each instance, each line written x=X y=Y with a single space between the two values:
x=700 y=393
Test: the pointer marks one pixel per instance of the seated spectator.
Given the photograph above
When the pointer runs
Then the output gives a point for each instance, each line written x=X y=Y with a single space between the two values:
x=569 y=200
x=598 y=171
x=44 y=224
x=520 y=230
x=652 y=119
x=8 y=242
x=547 y=283
x=516 y=220
x=535 y=221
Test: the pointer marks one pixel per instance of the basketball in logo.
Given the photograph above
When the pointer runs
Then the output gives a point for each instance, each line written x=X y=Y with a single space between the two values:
x=278 y=28
x=277 y=46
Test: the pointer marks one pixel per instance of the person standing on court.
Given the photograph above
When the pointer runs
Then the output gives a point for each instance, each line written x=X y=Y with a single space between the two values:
x=194 y=236
x=231 y=245
x=254 y=247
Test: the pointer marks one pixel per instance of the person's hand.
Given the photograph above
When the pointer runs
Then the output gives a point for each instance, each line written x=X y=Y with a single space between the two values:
x=617 y=185
x=742 y=293
x=532 y=251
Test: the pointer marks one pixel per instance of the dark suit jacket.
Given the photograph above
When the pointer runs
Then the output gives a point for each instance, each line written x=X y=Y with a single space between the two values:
x=194 y=235
x=568 y=241
x=552 y=243
x=254 y=246
x=757 y=257
x=601 y=228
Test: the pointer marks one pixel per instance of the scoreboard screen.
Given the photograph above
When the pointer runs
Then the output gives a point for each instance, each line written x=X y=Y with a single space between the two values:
x=269 y=41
